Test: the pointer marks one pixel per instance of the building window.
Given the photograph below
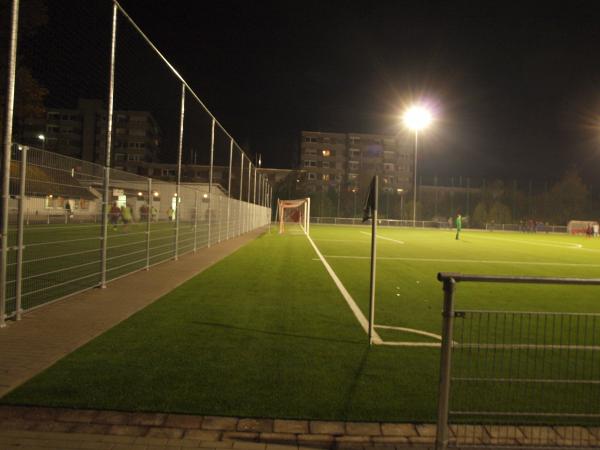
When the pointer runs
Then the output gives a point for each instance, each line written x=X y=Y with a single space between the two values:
x=326 y=164
x=310 y=151
x=354 y=153
x=388 y=167
x=310 y=163
x=54 y=202
x=326 y=177
x=312 y=176
x=353 y=165
x=326 y=153
x=352 y=176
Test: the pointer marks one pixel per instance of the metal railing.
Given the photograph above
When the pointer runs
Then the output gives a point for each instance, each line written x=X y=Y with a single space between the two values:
x=518 y=378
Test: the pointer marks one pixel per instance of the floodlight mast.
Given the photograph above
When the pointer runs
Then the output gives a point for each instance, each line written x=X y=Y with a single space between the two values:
x=416 y=118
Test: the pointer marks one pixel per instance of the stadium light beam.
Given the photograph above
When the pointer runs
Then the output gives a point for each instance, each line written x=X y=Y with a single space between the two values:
x=416 y=118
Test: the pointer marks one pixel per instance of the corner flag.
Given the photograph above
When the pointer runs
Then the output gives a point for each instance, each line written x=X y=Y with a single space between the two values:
x=370 y=212
x=371 y=202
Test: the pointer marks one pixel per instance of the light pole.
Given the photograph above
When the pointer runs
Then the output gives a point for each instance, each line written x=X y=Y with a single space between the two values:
x=354 y=191
x=42 y=138
x=401 y=192
x=416 y=118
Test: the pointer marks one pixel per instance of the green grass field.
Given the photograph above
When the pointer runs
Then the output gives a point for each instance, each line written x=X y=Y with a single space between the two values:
x=266 y=332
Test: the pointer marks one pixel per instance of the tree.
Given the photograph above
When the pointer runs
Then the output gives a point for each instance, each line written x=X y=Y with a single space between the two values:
x=479 y=216
x=569 y=197
x=29 y=93
x=499 y=213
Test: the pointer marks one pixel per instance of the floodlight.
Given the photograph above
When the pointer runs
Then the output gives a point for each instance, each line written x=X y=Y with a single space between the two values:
x=417 y=118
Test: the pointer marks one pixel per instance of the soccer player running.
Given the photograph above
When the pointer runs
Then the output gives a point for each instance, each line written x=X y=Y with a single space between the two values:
x=458 y=226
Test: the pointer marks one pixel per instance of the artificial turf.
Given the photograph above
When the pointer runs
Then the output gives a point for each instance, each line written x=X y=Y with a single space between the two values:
x=266 y=333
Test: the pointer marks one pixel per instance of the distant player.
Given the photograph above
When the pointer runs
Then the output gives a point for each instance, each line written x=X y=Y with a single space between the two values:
x=458 y=226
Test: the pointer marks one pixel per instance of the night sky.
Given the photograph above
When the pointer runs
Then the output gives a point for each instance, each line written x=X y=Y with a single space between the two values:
x=515 y=85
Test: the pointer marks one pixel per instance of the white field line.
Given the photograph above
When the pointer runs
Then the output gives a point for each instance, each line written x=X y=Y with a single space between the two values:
x=543 y=244
x=363 y=241
x=411 y=344
x=410 y=330
x=383 y=237
x=364 y=323
x=474 y=261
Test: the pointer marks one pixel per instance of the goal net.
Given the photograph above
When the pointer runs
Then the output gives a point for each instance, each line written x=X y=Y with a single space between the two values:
x=294 y=212
x=582 y=227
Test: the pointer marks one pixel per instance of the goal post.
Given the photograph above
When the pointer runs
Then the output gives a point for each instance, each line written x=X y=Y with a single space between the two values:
x=294 y=211
x=582 y=227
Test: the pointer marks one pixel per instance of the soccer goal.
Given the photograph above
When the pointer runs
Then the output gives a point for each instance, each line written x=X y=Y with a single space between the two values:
x=294 y=212
x=582 y=227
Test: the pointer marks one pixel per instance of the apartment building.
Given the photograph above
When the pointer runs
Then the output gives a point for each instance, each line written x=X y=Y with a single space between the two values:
x=348 y=161
x=81 y=133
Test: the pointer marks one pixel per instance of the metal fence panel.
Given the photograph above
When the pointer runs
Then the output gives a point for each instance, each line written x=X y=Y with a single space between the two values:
x=514 y=378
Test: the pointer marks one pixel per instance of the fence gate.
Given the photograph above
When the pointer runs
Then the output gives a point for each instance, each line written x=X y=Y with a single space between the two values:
x=526 y=379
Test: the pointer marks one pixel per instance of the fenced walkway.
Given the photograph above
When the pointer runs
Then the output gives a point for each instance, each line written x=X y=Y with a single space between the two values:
x=47 y=334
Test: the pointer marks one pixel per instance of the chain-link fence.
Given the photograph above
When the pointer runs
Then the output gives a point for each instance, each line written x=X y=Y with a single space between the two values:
x=111 y=161
x=56 y=231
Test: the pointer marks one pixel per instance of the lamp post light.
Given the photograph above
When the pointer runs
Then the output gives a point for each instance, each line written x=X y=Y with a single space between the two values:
x=401 y=192
x=416 y=118
x=42 y=138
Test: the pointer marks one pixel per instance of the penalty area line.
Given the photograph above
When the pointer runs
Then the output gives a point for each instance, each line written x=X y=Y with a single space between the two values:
x=362 y=320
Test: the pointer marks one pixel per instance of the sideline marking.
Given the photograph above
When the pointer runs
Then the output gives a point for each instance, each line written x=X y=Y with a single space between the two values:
x=351 y=303
x=555 y=244
x=474 y=261
x=383 y=237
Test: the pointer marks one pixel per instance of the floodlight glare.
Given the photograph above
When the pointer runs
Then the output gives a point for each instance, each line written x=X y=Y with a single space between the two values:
x=417 y=118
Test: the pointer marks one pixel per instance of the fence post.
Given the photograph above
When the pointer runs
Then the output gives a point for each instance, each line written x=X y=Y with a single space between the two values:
x=441 y=440
x=210 y=176
x=241 y=193
x=178 y=187
x=248 y=200
x=20 y=220
x=229 y=184
x=254 y=200
x=195 y=220
x=109 y=118
x=8 y=122
x=148 y=219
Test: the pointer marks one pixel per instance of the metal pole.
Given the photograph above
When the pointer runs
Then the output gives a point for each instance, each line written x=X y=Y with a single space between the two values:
x=178 y=187
x=20 y=220
x=109 y=118
x=8 y=126
x=229 y=183
x=441 y=440
x=241 y=193
x=195 y=221
x=254 y=200
x=210 y=176
x=415 y=182
x=248 y=199
x=148 y=219
x=373 y=259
